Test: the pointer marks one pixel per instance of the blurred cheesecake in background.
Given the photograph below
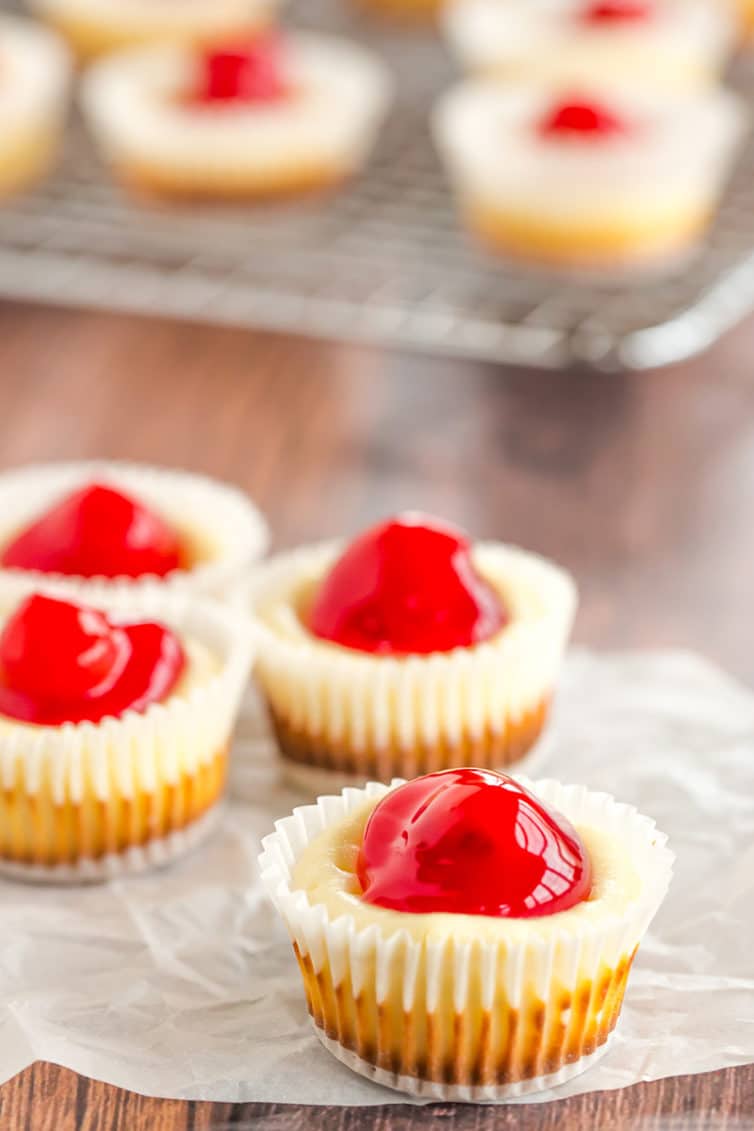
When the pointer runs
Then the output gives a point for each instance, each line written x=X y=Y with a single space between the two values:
x=408 y=11
x=93 y=27
x=664 y=43
x=100 y=527
x=35 y=71
x=280 y=114
x=746 y=15
x=590 y=177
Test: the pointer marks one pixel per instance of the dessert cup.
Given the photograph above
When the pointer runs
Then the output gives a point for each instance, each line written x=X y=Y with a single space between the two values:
x=160 y=142
x=97 y=27
x=638 y=193
x=87 y=801
x=222 y=530
x=464 y=1007
x=340 y=712
x=34 y=84
x=678 y=45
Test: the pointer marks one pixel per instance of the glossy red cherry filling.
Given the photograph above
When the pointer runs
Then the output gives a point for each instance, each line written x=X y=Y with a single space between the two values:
x=62 y=662
x=407 y=586
x=617 y=11
x=97 y=532
x=471 y=842
x=250 y=72
x=581 y=120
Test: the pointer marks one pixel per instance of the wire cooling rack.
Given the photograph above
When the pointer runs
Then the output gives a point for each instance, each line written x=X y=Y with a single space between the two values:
x=384 y=260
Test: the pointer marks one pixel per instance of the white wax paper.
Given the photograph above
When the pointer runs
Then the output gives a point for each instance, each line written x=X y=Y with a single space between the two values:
x=182 y=984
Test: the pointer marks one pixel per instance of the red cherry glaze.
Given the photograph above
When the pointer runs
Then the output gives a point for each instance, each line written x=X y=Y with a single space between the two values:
x=406 y=586
x=581 y=119
x=617 y=11
x=97 y=532
x=66 y=663
x=471 y=842
x=249 y=72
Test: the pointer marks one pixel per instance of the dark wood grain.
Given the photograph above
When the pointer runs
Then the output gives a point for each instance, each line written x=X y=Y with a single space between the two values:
x=642 y=485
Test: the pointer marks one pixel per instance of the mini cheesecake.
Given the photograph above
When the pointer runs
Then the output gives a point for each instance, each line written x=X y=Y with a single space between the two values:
x=35 y=71
x=281 y=114
x=588 y=178
x=100 y=527
x=745 y=9
x=404 y=11
x=96 y=27
x=466 y=936
x=114 y=742
x=407 y=650
x=672 y=44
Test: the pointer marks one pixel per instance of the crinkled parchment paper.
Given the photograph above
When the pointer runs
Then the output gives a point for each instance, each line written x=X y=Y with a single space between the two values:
x=182 y=984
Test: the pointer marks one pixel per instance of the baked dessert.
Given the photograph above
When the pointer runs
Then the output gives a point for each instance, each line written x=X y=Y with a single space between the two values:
x=466 y=936
x=638 y=175
x=408 y=650
x=100 y=526
x=35 y=71
x=113 y=743
x=278 y=115
x=405 y=11
x=95 y=27
x=745 y=10
x=672 y=44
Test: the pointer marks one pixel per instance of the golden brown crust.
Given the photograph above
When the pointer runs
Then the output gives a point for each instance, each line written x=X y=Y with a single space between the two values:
x=37 y=830
x=492 y=749
x=408 y=11
x=484 y=1047
x=647 y=241
x=153 y=183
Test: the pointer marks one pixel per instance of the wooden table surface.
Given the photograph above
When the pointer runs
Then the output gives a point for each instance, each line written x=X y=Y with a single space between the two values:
x=642 y=485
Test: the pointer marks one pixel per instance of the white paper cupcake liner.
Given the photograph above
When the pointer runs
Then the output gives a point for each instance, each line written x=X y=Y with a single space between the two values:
x=79 y=794
x=217 y=514
x=459 y=1093
x=557 y=982
x=361 y=715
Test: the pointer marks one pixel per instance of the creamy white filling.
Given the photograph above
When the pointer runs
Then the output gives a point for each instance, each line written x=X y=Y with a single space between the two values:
x=676 y=150
x=681 y=39
x=35 y=70
x=134 y=104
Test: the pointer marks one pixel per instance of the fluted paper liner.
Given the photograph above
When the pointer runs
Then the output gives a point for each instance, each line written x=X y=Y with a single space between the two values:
x=224 y=523
x=361 y=715
x=88 y=800
x=459 y=1018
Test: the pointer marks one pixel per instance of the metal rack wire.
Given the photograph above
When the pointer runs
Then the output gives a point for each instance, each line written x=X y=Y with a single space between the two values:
x=383 y=261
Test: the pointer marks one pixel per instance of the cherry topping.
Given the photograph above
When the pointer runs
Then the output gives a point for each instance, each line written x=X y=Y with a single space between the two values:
x=581 y=119
x=62 y=662
x=250 y=72
x=471 y=842
x=617 y=11
x=96 y=532
x=406 y=586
